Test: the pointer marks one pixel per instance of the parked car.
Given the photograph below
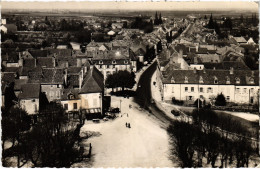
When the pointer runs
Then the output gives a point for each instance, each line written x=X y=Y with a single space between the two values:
x=175 y=113
x=115 y=110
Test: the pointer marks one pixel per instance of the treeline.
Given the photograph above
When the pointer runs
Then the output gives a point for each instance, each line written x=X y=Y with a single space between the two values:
x=51 y=140
x=211 y=139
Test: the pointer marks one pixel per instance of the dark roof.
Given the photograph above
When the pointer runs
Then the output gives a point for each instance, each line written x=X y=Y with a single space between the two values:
x=74 y=70
x=30 y=91
x=52 y=76
x=38 y=53
x=209 y=76
x=29 y=62
x=67 y=92
x=18 y=83
x=8 y=76
x=93 y=82
x=45 y=62
x=11 y=57
x=13 y=69
x=73 y=80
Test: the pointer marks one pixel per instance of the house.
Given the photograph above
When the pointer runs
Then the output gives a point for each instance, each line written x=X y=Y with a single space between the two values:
x=251 y=41
x=52 y=81
x=29 y=98
x=8 y=28
x=238 y=86
x=109 y=62
x=117 y=25
x=88 y=97
x=239 y=40
x=75 y=45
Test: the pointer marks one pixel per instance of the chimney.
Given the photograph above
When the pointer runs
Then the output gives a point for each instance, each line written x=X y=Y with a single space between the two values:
x=181 y=53
x=20 y=62
x=197 y=48
x=194 y=70
x=231 y=70
x=80 y=81
x=214 y=68
x=66 y=76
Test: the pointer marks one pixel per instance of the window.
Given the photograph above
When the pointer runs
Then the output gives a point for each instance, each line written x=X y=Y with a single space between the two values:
x=58 y=86
x=251 y=81
x=114 y=66
x=75 y=106
x=252 y=90
x=107 y=66
x=33 y=100
x=237 y=80
x=201 y=89
x=192 y=89
x=172 y=89
x=172 y=80
x=71 y=96
x=114 y=62
x=228 y=98
x=215 y=80
x=100 y=62
x=186 y=79
x=66 y=106
x=209 y=90
x=190 y=97
x=244 y=90
x=238 y=90
x=100 y=66
x=186 y=89
x=201 y=79
x=126 y=62
x=228 y=80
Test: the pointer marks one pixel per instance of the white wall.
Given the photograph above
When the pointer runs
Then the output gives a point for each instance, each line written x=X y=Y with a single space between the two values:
x=31 y=106
x=91 y=100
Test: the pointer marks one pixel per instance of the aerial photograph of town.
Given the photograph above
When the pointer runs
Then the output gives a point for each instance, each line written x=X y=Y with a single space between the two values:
x=130 y=84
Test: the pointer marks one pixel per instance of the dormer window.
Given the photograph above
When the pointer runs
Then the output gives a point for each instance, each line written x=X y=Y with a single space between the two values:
x=113 y=62
x=215 y=80
x=126 y=62
x=71 y=96
x=201 y=79
x=228 y=80
x=186 y=80
x=100 y=62
x=237 y=80
x=172 y=80
x=251 y=80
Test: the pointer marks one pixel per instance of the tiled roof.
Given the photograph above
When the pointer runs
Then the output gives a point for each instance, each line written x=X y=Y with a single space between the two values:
x=93 y=82
x=8 y=77
x=12 y=57
x=38 y=53
x=30 y=91
x=208 y=77
x=52 y=76
x=73 y=80
x=29 y=62
x=45 y=62
x=67 y=92
x=74 y=70
x=18 y=83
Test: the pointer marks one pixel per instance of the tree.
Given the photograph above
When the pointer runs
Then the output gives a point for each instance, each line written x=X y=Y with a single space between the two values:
x=156 y=20
x=125 y=79
x=52 y=142
x=220 y=100
x=182 y=136
x=159 y=46
x=111 y=82
x=9 y=96
x=211 y=22
x=160 y=19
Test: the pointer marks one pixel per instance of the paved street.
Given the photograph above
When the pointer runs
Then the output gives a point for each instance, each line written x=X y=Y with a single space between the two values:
x=145 y=144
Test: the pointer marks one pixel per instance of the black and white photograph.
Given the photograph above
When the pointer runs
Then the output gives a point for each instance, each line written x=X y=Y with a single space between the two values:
x=98 y=84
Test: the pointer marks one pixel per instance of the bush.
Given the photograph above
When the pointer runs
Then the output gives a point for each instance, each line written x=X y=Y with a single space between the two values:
x=220 y=100
x=177 y=102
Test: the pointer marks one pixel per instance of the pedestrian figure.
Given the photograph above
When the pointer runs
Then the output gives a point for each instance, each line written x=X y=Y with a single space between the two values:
x=127 y=114
x=125 y=124
x=129 y=125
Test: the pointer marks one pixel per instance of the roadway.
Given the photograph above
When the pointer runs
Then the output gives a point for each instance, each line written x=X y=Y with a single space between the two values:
x=143 y=95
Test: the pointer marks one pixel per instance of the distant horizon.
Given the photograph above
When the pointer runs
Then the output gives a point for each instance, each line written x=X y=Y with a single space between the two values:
x=131 y=6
